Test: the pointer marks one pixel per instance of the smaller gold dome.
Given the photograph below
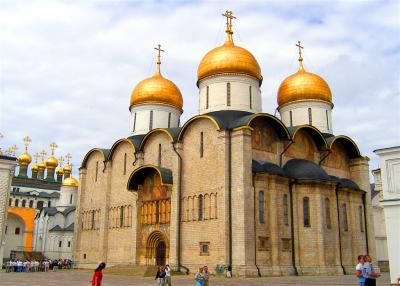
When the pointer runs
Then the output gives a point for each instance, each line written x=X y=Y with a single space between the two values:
x=59 y=171
x=71 y=182
x=51 y=162
x=303 y=85
x=24 y=158
x=67 y=169
x=42 y=165
x=34 y=168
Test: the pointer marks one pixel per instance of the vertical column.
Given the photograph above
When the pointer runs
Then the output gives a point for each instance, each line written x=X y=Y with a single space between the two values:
x=243 y=258
x=272 y=212
x=104 y=214
x=76 y=253
x=320 y=229
x=359 y=172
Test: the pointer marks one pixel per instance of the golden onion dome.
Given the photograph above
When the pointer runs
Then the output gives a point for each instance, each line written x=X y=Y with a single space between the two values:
x=24 y=158
x=51 y=162
x=229 y=58
x=157 y=89
x=35 y=168
x=71 y=182
x=59 y=171
x=42 y=165
x=67 y=169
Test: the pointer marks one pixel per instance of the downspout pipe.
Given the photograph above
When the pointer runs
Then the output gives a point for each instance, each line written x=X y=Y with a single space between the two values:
x=255 y=226
x=178 y=242
x=230 y=196
x=291 y=183
x=365 y=222
x=339 y=229
x=283 y=152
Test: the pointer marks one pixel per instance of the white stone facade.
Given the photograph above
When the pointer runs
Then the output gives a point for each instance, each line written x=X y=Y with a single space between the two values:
x=315 y=113
x=229 y=92
x=146 y=117
x=7 y=167
x=389 y=159
x=67 y=197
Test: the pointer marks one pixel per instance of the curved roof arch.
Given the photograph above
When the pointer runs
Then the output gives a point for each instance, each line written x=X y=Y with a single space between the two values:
x=317 y=136
x=103 y=152
x=195 y=118
x=138 y=175
x=350 y=146
x=157 y=130
x=115 y=145
x=278 y=125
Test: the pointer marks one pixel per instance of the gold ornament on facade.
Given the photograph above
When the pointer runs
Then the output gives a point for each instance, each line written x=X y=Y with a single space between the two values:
x=229 y=58
x=25 y=158
x=52 y=162
x=157 y=89
x=303 y=85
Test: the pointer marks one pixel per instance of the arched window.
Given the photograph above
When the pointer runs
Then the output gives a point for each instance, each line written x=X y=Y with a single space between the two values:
x=261 y=207
x=16 y=202
x=207 y=97
x=201 y=144
x=291 y=118
x=97 y=171
x=125 y=157
x=151 y=120
x=23 y=203
x=361 y=219
x=121 y=217
x=134 y=122
x=310 y=116
x=285 y=209
x=9 y=202
x=159 y=155
x=17 y=230
x=49 y=204
x=70 y=199
x=345 y=223
x=200 y=207
x=306 y=212
x=327 y=119
x=328 y=213
x=250 y=97
x=31 y=204
x=169 y=119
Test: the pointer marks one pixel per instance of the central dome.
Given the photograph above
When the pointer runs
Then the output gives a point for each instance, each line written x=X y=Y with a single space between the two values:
x=24 y=158
x=158 y=90
x=229 y=58
x=51 y=162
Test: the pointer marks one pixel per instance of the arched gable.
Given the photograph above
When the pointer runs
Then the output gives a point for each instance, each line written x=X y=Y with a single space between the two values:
x=114 y=147
x=350 y=147
x=137 y=177
x=196 y=118
x=269 y=119
x=314 y=133
x=103 y=152
x=155 y=131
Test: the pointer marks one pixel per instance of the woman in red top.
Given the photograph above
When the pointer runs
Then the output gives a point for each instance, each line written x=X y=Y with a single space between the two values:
x=98 y=275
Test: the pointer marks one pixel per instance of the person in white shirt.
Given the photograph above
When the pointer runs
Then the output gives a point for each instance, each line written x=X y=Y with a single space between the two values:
x=360 y=271
x=168 y=275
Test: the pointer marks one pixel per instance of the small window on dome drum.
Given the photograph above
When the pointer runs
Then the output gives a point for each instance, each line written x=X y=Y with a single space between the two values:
x=151 y=120
x=291 y=118
x=306 y=212
x=228 y=94
x=327 y=119
x=250 y=98
x=207 y=96
x=134 y=122
x=310 y=116
x=169 y=120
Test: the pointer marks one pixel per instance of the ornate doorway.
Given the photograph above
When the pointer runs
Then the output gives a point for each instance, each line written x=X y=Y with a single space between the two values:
x=157 y=249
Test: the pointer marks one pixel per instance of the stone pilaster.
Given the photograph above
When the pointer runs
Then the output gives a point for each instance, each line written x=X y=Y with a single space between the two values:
x=76 y=253
x=104 y=214
x=7 y=166
x=359 y=172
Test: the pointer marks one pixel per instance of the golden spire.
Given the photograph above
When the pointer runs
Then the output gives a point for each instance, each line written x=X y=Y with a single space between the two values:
x=53 y=147
x=43 y=154
x=61 y=160
x=300 y=55
x=36 y=156
x=68 y=157
x=159 y=50
x=26 y=140
x=229 y=16
x=13 y=149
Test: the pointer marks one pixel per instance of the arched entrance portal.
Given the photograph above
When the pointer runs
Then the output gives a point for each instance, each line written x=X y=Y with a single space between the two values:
x=157 y=250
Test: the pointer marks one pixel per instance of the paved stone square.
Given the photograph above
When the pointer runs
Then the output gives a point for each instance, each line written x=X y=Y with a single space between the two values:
x=80 y=277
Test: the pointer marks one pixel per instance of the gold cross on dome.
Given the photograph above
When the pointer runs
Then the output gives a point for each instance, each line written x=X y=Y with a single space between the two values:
x=300 y=48
x=158 y=48
x=61 y=160
x=43 y=154
x=26 y=140
x=13 y=149
x=68 y=157
x=229 y=16
x=36 y=156
x=53 y=147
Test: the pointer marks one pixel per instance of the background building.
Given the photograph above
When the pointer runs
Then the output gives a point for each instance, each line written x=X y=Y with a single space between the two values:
x=389 y=159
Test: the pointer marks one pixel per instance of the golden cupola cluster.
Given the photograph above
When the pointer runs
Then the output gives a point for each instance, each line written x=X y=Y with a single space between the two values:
x=303 y=85
x=229 y=58
x=157 y=90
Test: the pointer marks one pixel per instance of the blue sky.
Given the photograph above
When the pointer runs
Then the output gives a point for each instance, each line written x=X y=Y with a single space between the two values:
x=67 y=68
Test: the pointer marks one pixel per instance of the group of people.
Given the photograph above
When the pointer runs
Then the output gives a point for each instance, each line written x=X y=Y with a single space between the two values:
x=19 y=265
x=202 y=277
x=366 y=275
x=163 y=276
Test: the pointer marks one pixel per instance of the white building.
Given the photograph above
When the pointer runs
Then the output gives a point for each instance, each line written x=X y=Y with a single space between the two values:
x=54 y=226
x=379 y=221
x=389 y=160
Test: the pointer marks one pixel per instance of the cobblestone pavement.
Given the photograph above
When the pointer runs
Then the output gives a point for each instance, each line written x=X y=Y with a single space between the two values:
x=80 y=277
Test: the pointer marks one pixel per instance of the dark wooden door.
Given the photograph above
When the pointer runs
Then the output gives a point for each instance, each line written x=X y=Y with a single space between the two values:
x=160 y=253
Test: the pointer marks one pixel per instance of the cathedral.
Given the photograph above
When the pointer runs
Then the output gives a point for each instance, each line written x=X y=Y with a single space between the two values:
x=232 y=186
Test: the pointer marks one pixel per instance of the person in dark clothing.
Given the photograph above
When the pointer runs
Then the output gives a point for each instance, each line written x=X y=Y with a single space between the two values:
x=160 y=276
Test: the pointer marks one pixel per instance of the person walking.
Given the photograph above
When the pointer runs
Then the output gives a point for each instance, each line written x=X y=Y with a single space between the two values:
x=370 y=274
x=160 y=275
x=360 y=271
x=198 y=277
x=98 y=275
x=206 y=275
x=229 y=272
x=168 y=275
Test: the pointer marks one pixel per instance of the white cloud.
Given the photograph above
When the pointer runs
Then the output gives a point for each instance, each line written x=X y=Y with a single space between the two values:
x=68 y=67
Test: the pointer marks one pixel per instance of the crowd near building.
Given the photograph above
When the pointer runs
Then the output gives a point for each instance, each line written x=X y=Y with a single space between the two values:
x=232 y=186
x=39 y=209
